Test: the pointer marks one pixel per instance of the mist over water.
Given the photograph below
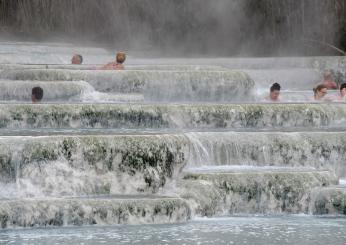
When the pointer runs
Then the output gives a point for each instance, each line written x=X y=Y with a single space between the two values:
x=184 y=27
x=157 y=80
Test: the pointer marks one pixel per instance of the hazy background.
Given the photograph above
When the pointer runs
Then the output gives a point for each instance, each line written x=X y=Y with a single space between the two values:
x=183 y=27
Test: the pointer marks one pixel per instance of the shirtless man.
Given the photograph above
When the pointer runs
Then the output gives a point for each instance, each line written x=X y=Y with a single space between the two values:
x=328 y=81
x=77 y=59
x=117 y=64
x=274 y=95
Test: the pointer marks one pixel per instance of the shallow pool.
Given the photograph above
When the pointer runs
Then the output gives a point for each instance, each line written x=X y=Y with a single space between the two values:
x=234 y=230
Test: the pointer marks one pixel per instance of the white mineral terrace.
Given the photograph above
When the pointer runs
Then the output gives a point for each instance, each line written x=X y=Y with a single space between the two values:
x=169 y=145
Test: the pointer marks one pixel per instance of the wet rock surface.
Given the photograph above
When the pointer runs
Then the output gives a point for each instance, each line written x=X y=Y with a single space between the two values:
x=92 y=211
x=173 y=85
x=92 y=164
x=154 y=144
x=185 y=116
x=253 y=192
x=329 y=201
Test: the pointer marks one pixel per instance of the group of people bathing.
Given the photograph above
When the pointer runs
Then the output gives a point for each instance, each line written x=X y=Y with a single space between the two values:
x=320 y=91
x=117 y=64
x=77 y=59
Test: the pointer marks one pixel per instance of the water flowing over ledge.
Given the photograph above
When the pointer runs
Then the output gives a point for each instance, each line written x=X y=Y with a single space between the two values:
x=154 y=85
x=225 y=193
x=92 y=211
x=329 y=201
x=152 y=162
x=322 y=150
x=53 y=91
x=89 y=165
x=184 y=116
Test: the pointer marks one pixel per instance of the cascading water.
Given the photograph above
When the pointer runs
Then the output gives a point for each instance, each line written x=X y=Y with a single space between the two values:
x=166 y=142
x=322 y=150
x=168 y=86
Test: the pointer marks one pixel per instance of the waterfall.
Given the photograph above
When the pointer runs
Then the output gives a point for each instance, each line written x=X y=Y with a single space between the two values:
x=58 y=166
x=178 y=116
x=53 y=91
x=164 y=86
x=316 y=149
x=165 y=141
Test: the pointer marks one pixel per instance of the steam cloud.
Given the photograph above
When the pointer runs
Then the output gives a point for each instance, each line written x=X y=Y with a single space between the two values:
x=175 y=27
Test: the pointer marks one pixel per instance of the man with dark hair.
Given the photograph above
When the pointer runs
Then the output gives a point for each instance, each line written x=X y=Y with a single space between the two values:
x=36 y=94
x=77 y=59
x=274 y=95
x=343 y=92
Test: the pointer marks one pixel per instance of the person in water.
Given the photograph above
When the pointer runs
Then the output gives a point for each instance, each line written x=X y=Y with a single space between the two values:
x=343 y=92
x=274 y=95
x=320 y=92
x=36 y=94
x=328 y=80
x=118 y=64
x=77 y=59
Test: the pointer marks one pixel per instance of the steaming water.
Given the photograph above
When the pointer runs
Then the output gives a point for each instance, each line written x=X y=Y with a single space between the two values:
x=298 y=230
x=49 y=53
x=296 y=75
x=78 y=158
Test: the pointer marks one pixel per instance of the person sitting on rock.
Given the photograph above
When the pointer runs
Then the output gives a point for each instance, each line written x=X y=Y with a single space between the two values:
x=117 y=64
x=77 y=59
x=36 y=94
x=320 y=92
x=274 y=95
x=328 y=80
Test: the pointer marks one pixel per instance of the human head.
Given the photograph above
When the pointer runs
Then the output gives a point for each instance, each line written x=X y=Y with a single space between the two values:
x=275 y=92
x=36 y=94
x=343 y=90
x=328 y=76
x=320 y=91
x=121 y=57
x=77 y=59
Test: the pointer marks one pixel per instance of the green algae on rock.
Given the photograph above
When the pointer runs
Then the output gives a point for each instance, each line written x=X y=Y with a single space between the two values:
x=224 y=116
x=85 y=165
x=92 y=211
